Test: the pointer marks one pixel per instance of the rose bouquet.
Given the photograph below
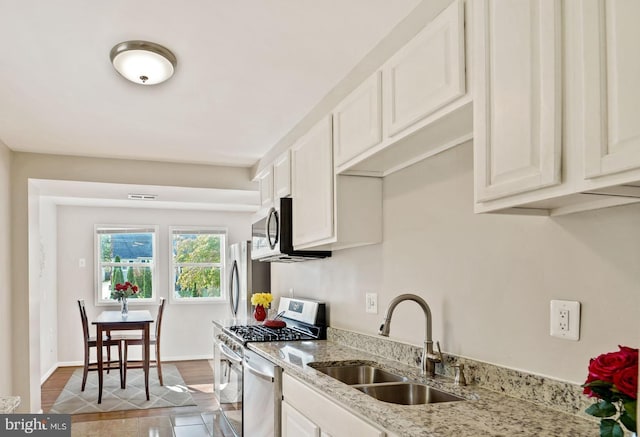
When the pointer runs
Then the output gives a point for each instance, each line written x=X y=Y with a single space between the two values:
x=613 y=380
x=124 y=291
x=263 y=299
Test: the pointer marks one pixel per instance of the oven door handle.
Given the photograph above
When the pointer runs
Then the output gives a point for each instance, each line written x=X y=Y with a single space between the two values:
x=229 y=354
x=258 y=373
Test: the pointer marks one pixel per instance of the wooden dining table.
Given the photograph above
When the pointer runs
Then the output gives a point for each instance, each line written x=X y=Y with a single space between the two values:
x=109 y=321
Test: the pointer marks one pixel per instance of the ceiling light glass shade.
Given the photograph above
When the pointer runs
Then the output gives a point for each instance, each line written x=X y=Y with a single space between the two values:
x=143 y=62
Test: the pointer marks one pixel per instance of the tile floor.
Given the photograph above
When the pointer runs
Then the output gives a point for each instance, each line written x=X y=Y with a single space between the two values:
x=189 y=425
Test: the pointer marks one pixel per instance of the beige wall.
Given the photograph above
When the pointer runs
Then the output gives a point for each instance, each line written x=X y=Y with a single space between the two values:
x=25 y=355
x=488 y=278
x=5 y=272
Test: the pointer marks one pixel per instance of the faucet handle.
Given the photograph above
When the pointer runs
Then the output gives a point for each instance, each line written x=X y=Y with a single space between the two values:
x=459 y=378
x=439 y=352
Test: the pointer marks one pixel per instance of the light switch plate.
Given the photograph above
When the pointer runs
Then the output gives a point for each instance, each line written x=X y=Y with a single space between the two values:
x=565 y=319
x=371 y=304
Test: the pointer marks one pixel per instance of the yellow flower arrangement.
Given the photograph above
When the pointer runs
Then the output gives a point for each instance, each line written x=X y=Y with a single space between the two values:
x=263 y=299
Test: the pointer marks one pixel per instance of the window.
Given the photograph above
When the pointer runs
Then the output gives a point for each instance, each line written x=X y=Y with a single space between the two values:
x=197 y=264
x=125 y=253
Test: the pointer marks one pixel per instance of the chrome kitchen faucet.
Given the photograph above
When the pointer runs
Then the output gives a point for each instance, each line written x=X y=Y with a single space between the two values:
x=429 y=358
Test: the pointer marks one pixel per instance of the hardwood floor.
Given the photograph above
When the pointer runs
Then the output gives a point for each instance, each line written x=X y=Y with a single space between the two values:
x=197 y=375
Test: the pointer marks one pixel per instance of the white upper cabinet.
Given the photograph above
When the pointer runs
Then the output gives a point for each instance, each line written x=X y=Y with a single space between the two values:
x=282 y=176
x=612 y=87
x=552 y=143
x=427 y=73
x=517 y=96
x=275 y=181
x=330 y=211
x=265 y=181
x=425 y=105
x=357 y=120
x=312 y=184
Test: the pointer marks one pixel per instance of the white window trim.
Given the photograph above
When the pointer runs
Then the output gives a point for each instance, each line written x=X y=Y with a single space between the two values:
x=98 y=263
x=223 y=266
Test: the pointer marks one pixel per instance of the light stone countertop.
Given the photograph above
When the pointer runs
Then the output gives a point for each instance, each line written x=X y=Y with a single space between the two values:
x=484 y=413
x=8 y=404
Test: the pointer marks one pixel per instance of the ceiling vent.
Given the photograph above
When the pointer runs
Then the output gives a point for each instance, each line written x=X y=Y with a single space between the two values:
x=142 y=196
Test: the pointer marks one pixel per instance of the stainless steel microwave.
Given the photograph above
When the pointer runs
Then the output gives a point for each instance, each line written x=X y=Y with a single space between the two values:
x=272 y=237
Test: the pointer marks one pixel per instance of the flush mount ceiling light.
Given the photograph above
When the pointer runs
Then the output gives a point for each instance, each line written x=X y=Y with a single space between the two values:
x=143 y=62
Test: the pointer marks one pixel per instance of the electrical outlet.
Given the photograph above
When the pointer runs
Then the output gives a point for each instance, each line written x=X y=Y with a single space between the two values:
x=565 y=319
x=371 y=303
x=82 y=263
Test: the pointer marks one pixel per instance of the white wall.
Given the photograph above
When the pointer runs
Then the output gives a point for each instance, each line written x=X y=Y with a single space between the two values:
x=46 y=258
x=487 y=278
x=6 y=388
x=187 y=331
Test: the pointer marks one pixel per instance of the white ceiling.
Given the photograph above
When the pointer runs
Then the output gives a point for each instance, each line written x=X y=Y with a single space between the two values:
x=248 y=72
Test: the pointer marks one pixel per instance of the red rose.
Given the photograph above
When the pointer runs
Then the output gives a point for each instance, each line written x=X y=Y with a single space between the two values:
x=631 y=353
x=626 y=380
x=587 y=390
x=135 y=289
x=605 y=366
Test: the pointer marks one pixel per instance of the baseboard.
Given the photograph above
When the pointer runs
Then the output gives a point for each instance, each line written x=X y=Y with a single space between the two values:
x=167 y=359
x=49 y=372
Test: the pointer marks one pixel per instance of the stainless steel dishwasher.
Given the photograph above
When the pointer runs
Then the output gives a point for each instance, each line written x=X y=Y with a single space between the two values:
x=262 y=401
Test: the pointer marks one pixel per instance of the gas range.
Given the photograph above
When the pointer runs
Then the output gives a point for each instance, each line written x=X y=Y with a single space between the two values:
x=236 y=385
x=305 y=320
x=259 y=333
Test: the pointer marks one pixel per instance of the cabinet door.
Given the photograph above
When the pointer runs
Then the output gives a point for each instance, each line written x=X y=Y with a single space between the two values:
x=282 y=176
x=427 y=73
x=265 y=179
x=517 y=96
x=294 y=424
x=612 y=92
x=357 y=121
x=312 y=185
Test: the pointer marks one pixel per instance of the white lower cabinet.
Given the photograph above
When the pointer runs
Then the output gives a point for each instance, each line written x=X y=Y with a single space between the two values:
x=295 y=424
x=306 y=412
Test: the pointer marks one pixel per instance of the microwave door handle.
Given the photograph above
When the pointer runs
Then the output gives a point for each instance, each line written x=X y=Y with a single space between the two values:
x=234 y=292
x=273 y=215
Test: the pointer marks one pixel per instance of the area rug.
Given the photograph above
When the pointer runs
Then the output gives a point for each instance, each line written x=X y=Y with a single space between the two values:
x=174 y=393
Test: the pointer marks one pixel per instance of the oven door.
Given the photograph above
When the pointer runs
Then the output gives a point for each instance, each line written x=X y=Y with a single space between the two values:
x=228 y=385
x=265 y=235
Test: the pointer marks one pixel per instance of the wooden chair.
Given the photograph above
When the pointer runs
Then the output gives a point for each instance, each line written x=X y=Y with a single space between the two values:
x=91 y=342
x=137 y=341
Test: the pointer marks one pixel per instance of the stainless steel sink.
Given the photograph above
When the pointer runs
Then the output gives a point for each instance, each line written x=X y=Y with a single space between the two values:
x=360 y=374
x=408 y=393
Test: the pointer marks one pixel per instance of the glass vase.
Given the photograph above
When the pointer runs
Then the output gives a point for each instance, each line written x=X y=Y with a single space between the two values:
x=124 y=307
x=259 y=313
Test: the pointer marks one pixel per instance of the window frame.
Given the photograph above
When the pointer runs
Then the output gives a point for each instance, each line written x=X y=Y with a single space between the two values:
x=222 y=265
x=98 y=263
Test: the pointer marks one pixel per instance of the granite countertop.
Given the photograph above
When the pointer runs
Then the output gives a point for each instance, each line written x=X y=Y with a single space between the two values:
x=8 y=404
x=484 y=413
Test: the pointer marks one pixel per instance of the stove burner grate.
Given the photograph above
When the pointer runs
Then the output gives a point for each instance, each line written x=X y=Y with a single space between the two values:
x=262 y=333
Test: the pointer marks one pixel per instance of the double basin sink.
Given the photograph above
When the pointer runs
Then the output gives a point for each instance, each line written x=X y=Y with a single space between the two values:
x=386 y=386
